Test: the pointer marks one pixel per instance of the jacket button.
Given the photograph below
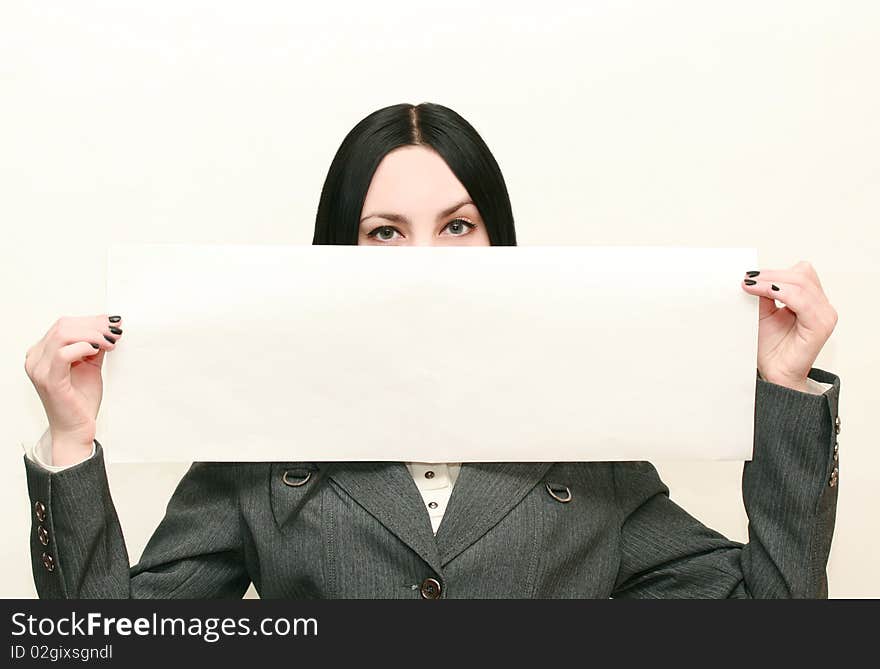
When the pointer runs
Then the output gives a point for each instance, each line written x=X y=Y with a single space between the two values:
x=43 y=535
x=837 y=425
x=430 y=589
x=40 y=511
x=833 y=481
x=48 y=562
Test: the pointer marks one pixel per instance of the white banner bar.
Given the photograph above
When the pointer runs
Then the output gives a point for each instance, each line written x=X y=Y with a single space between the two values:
x=433 y=354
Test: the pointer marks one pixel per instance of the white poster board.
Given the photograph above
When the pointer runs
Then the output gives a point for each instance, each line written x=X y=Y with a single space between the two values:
x=537 y=353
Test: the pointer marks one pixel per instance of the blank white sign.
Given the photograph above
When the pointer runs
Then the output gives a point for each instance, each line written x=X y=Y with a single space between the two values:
x=540 y=353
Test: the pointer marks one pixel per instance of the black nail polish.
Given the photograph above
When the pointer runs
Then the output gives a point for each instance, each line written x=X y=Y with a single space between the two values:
x=774 y=286
x=749 y=282
x=115 y=330
x=95 y=346
x=115 y=319
x=753 y=273
x=110 y=339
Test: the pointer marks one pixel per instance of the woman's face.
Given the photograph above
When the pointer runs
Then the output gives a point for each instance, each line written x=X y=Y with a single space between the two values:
x=414 y=199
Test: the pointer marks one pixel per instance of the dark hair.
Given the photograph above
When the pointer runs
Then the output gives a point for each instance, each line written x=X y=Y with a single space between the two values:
x=428 y=124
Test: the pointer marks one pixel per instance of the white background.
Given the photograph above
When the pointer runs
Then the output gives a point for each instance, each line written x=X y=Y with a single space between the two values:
x=684 y=122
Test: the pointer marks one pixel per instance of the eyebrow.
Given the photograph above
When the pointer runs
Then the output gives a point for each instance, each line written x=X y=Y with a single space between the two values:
x=402 y=219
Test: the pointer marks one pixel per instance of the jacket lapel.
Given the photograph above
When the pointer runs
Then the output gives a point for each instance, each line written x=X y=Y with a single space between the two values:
x=387 y=491
x=481 y=497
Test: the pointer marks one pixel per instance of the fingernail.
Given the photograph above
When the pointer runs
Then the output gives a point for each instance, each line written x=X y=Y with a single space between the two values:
x=110 y=339
x=774 y=286
x=115 y=319
x=749 y=282
x=115 y=330
x=95 y=346
x=753 y=273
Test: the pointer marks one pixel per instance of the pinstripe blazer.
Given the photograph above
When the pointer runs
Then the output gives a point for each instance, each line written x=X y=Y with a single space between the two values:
x=359 y=530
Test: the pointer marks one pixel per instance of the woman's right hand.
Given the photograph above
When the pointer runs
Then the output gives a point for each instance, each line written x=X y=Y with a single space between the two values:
x=65 y=368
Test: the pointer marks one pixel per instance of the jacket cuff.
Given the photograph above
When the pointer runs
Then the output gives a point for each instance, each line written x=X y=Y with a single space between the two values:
x=802 y=418
x=68 y=511
x=790 y=486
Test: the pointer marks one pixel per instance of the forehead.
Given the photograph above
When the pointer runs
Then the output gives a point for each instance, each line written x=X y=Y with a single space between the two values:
x=412 y=179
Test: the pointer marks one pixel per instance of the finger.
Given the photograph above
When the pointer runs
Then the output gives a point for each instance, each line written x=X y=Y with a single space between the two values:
x=111 y=329
x=795 y=297
x=808 y=269
x=69 y=332
x=105 y=334
x=99 y=331
x=68 y=329
x=59 y=365
x=805 y=284
x=782 y=276
x=801 y=274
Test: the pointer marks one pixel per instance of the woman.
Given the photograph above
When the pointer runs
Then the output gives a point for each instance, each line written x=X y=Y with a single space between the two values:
x=422 y=175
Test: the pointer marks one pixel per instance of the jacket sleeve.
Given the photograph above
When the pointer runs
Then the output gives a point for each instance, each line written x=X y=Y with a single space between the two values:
x=78 y=550
x=790 y=495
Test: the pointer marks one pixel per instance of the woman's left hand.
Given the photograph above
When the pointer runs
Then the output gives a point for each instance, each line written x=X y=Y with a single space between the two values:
x=790 y=338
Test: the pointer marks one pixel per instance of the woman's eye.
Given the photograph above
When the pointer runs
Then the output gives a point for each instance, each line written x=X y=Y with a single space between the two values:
x=383 y=232
x=459 y=227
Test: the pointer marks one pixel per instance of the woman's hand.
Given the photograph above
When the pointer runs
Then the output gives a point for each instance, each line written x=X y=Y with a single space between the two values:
x=790 y=338
x=65 y=368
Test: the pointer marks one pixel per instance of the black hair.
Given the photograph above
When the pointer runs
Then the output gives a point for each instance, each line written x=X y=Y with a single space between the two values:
x=427 y=124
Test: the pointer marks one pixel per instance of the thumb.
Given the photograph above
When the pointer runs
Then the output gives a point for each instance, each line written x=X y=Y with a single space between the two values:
x=766 y=307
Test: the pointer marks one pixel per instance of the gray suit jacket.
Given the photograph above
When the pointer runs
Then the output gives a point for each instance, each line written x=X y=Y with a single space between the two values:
x=360 y=529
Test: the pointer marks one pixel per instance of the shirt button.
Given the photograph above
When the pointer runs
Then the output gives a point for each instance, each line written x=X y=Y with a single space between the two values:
x=40 y=511
x=430 y=589
x=432 y=505
x=429 y=474
x=48 y=562
x=43 y=535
